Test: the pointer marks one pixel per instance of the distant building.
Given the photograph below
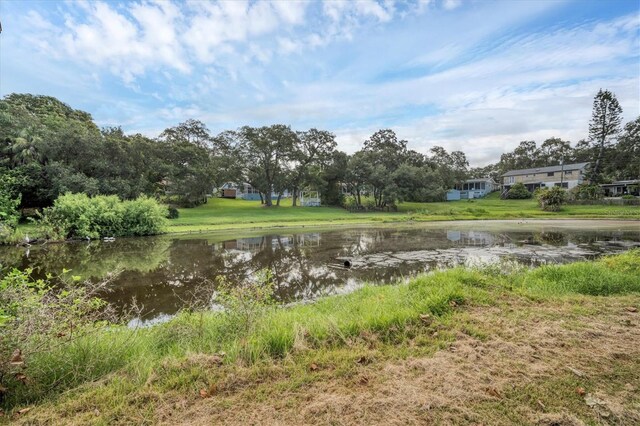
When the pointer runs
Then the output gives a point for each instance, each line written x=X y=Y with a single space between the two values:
x=244 y=191
x=621 y=187
x=566 y=176
x=472 y=188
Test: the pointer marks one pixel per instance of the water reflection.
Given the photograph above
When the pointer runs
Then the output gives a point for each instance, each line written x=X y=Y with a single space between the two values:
x=160 y=273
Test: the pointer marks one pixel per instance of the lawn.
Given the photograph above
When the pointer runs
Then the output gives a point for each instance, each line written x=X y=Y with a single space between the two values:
x=219 y=213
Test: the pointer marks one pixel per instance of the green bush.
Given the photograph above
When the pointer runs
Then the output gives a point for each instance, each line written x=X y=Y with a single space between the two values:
x=38 y=317
x=551 y=199
x=173 y=213
x=628 y=197
x=81 y=216
x=518 y=192
x=586 y=192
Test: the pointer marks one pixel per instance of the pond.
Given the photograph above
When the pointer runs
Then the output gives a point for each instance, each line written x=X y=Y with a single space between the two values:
x=162 y=273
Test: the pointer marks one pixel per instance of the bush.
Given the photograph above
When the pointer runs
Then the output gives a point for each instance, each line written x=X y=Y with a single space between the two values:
x=586 y=192
x=81 y=216
x=551 y=199
x=173 y=213
x=37 y=317
x=628 y=197
x=518 y=192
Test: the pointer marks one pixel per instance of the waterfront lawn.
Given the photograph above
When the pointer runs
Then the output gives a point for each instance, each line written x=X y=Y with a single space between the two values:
x=219 y=214
x=501 y=345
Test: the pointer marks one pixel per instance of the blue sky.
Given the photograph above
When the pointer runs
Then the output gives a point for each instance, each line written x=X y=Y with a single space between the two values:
x=475 y=75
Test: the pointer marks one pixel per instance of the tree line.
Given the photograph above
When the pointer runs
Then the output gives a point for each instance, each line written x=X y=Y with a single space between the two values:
x=48 y=149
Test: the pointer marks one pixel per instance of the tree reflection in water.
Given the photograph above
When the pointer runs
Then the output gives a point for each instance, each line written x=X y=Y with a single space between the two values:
x=161 y=272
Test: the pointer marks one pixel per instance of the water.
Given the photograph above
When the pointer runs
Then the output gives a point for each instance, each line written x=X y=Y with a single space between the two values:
x=164 y=273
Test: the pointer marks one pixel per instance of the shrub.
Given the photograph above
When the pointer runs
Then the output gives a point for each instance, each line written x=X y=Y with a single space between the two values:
x=81 y=216
x=173 y=213
x=551 y=199
x=586 y=192
x=628 y=197
x=518 y=192
x=37 y=317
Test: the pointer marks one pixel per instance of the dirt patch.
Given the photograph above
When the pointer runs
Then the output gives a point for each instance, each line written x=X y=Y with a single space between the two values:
x=510 y=377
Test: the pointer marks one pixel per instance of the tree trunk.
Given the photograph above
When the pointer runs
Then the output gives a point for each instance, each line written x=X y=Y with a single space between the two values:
x=261 y=198
x=278 y=200
x=294 y=197
x=596 y=168
x=267 y=199
x=358 y=194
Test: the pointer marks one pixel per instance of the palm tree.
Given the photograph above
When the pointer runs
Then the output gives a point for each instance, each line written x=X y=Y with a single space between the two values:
x=24 y=148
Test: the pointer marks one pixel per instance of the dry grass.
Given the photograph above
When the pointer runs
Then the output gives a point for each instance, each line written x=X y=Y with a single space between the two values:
x=519 y=362
x=532 y=370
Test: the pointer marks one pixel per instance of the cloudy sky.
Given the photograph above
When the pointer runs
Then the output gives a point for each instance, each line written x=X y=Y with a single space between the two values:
x=475 y=75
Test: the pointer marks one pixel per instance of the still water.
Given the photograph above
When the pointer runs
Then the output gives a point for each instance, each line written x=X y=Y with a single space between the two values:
x=161 y=273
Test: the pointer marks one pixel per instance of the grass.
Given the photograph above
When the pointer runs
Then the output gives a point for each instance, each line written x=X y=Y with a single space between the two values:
x=225 y=214
x=377 y=337
x=221 y=214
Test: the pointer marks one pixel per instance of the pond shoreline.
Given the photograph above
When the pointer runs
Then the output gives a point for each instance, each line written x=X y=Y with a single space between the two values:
x=160 y=272
x=535 y=346
x=572 y=222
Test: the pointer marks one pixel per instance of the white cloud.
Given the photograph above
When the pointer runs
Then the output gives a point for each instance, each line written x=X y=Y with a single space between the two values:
x=126 y=45
x=451 y=4
x=458 y=79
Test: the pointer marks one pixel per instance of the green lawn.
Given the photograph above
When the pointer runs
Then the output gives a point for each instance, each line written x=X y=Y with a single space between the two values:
x=219 y=214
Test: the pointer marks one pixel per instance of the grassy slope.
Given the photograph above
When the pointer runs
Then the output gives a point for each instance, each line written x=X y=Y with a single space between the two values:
x=494 y=347
x=220 y=214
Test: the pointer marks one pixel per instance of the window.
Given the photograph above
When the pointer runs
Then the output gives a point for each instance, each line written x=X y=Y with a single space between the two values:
x=563 y=185
x=509 y=179
x=567 y=172
x=481 y=185
x=550 y=174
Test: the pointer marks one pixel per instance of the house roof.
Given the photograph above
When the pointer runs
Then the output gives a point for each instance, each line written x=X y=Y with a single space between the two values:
x=480 y=180
x=621 y=183
x=549 y=169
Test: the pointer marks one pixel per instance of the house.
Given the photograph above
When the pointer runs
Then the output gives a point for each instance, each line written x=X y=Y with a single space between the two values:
x=244 y=191
x=472 y=188
x=621 y=187
x=563 y=175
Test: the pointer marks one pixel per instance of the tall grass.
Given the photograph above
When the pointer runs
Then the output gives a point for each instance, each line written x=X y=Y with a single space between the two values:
x=618 y=274
x=393 y=313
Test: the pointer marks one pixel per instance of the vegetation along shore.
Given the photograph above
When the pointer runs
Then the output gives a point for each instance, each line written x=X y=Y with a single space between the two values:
x=557 y=344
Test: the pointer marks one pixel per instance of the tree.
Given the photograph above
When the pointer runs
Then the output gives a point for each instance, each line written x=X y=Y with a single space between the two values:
x=311 y=147
x=627 y=157
x=192 y=131
x=453 y=167
x=266 y=152
x=384 y=154
x=553 y=151
x=358 y=172
x=333 y=175
x=603 y=128
x=524 y=156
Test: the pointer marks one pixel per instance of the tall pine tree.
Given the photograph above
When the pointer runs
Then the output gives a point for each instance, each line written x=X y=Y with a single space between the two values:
x=604 y=127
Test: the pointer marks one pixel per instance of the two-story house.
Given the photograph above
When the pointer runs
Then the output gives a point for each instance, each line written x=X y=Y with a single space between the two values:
x=563 y=175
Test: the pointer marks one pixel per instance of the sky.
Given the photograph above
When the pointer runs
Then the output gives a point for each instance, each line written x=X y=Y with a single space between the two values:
x=473 y=75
